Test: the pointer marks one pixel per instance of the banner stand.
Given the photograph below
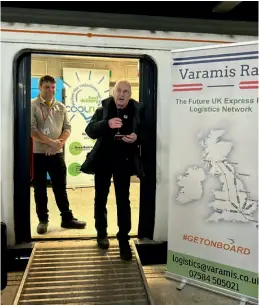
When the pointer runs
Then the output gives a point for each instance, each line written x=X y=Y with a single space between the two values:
x=84 y=91
x=213 y=207
x=182 y=285
x=186 y=281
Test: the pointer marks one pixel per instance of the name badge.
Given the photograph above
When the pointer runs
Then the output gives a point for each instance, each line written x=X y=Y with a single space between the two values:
x=46 y=131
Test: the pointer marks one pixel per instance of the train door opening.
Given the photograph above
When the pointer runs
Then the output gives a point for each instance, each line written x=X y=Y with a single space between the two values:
x=81 y=82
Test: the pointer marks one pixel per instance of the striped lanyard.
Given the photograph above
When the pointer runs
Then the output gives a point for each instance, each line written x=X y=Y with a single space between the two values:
x=44 y=117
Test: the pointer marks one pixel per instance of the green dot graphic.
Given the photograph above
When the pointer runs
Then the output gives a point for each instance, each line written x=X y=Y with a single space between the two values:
x=74 y=169
x=75 y=148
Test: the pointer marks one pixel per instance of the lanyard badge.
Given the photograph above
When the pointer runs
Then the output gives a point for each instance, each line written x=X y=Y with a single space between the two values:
x=42 y=113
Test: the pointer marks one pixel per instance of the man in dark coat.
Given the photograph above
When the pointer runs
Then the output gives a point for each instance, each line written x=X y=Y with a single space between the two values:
x=116 y=153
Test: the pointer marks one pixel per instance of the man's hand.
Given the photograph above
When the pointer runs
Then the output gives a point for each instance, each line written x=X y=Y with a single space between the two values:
x=115 y=123
x=62 y=142
x=50 y=151
x=55 y=147
x=130 y=138
x=56 y=144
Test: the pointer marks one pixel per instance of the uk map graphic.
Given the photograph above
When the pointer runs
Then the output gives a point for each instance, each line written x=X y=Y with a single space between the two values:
x=232 y=202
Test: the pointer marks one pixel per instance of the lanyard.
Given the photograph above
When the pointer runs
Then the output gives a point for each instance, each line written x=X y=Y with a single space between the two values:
x=44 y=118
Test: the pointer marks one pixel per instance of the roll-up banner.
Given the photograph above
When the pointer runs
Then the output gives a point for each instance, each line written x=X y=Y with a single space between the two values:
x=84 y=91
x=213 y=209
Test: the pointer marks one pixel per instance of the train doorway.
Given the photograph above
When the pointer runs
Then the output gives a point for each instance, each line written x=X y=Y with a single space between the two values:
x=69 y=70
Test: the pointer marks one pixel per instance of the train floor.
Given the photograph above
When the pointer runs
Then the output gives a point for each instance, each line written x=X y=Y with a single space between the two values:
x=162 y=290
x=82 y=205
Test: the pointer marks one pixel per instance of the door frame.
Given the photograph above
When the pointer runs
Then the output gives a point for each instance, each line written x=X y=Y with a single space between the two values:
x=22 y=138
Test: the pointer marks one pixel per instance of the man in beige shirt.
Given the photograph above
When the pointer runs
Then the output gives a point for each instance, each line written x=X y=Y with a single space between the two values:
x=50 y=129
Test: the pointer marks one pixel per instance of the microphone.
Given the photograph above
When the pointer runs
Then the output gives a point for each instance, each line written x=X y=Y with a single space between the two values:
x=118 y=115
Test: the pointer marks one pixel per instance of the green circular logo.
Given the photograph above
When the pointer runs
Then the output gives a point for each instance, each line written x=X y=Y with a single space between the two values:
x=75 y=148
x=74 y=169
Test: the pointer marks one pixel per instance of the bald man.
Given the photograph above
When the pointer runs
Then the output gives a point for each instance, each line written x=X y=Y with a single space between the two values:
x=115 y=125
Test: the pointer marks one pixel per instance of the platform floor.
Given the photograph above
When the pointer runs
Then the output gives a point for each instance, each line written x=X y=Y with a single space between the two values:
x=82 y=205
x=163 y=290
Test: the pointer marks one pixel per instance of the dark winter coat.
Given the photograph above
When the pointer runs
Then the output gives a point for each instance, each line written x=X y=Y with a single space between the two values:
x=99 y=129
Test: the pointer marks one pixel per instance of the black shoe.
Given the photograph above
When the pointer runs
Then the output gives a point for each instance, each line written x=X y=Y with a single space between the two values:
x=125 y=250
x=103 y=243
x=42 y=227
x=73 y=224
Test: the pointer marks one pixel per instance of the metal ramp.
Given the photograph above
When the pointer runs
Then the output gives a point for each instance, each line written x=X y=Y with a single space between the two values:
x=78 y=272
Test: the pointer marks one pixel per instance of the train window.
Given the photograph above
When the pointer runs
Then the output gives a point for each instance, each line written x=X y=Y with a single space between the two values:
x=82 y=82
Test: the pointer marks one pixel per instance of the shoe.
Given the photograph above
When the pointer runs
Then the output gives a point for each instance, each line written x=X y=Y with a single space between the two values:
x=42 y=227
x=125 y=250
x=103 y=243
x=73 y=224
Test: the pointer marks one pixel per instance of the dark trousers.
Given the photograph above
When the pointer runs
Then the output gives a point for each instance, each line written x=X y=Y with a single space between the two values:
x=56 y=167
x=121 y=178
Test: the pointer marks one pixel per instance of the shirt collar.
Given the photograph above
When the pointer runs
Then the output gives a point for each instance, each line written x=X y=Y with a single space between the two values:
x=45 y=102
